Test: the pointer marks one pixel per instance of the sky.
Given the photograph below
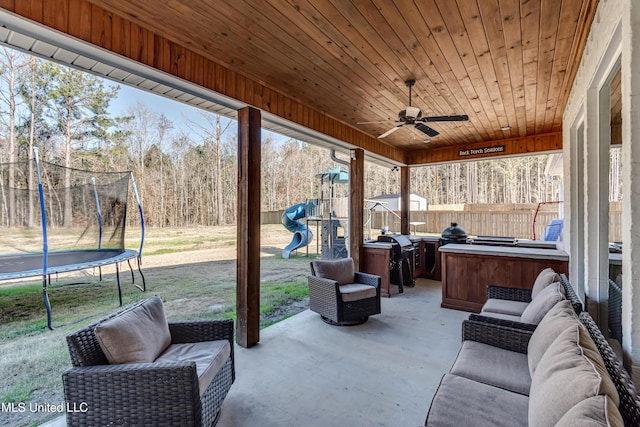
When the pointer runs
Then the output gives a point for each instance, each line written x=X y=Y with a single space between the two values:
x=178 y=112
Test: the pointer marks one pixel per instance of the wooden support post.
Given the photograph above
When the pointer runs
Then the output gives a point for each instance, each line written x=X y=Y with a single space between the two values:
x=405 y=200
x=248 y=265
x=356 y=206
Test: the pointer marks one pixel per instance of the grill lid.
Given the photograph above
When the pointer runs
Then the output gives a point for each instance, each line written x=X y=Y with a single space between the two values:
x=400 y=239
x=454 y=232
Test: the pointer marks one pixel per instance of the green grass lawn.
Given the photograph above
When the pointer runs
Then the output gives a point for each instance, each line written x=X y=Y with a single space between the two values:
x=33 y=358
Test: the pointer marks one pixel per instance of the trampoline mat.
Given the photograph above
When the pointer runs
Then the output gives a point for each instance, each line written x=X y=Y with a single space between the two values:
x=30 y=264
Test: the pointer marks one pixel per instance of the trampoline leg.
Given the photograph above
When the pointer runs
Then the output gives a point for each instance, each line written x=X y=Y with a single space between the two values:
x=47 y=305
x=144 y=283
x=118 y=279
x=133 y=277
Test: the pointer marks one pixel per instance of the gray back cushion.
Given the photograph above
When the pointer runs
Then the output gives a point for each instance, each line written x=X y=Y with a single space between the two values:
x=542 y=303
x=544 y=279
x=340 y=270
x=570 y=371
x=560 y=317
x=138 y=335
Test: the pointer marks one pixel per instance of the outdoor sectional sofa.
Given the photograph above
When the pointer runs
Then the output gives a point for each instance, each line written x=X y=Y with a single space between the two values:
x=133 y=368
x=563 y=373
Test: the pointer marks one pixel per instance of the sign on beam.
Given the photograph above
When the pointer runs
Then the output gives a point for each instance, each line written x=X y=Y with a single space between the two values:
x=481 y=151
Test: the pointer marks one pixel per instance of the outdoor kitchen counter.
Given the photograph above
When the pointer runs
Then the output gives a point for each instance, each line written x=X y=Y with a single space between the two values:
x=375 y=259
x=468 y=269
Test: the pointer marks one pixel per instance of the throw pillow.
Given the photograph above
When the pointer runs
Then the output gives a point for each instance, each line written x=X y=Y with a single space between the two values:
x=569 y=372
x=598 y=411
x=138 y=335
x=542 y=303
x=340 y=270
x=559 y=318
x=544 y=279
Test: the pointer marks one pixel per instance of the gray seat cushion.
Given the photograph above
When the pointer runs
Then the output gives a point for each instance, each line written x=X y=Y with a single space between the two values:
x=501 y=316
x=503 y=306
x=494 y=366
x=209 y=356
x=462 y=402
x=356 y=292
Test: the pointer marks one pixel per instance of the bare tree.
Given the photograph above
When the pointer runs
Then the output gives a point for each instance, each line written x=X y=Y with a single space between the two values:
x=9 y=71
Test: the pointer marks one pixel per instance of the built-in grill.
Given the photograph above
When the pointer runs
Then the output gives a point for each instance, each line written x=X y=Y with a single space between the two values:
x=402 y=254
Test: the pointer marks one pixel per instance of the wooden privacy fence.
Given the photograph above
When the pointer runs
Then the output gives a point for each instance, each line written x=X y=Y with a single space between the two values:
x=511 y=224
x=272 y=217
x=517 y=222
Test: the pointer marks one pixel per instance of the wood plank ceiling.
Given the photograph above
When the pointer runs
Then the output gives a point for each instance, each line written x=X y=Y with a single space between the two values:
x=504 y=63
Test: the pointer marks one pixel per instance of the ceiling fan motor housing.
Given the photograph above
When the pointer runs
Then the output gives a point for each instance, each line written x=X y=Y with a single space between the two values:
x=410 y=114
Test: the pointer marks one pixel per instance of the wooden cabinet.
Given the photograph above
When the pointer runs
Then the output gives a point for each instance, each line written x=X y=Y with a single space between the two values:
x=376 y=259
x=468 y=269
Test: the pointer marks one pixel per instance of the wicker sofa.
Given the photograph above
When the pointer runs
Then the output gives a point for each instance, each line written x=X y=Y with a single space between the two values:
x=563 y=373
x=529 y=305
x=523 y=296
x=184 y=385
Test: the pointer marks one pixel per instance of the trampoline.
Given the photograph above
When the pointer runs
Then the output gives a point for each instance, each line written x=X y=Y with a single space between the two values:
x=87 y=208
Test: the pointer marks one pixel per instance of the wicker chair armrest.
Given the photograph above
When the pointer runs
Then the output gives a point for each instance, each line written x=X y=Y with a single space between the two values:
x=368 y=279
x=513 y=294
x=319 y=282
x=497 y=336
x=201 y=330
x=141 y=394
x=576 y=302
x=503 y=322
x=627 y=391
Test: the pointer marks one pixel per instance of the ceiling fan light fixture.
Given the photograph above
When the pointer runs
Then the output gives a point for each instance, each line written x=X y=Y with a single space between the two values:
x=412 y=112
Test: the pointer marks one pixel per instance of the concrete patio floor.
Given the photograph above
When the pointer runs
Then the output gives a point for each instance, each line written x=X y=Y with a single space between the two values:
x=381 y=373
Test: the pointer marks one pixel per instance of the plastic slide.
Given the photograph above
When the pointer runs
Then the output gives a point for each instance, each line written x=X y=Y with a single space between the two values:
x=301 y=234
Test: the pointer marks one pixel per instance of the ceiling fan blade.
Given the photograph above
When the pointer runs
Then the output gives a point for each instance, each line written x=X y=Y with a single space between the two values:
x=457 y=118
x=390 y=131
x=377 y=121
x=426 y=129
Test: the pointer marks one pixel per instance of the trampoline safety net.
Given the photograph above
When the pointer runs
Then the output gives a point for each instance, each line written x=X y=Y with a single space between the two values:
x=57 y=219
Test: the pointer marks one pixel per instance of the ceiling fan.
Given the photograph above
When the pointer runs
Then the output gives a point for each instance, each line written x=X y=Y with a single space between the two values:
x=413 y=116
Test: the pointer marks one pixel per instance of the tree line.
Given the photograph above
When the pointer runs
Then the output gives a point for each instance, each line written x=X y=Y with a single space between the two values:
x=186 y=172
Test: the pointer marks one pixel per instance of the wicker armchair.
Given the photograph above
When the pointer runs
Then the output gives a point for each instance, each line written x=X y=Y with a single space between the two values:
x=158 y=393
x=340 y=295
